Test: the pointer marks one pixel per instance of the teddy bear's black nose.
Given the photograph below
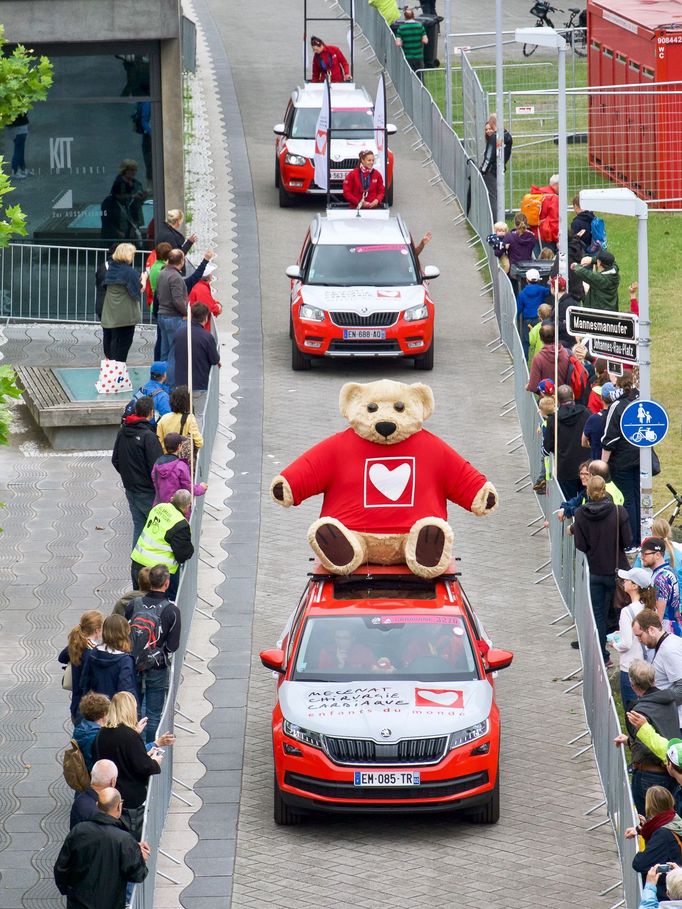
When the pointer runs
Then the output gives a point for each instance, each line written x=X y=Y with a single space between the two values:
x=385 y=428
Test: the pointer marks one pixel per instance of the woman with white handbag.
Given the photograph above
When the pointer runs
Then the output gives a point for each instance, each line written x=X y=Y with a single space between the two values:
x=86 y=635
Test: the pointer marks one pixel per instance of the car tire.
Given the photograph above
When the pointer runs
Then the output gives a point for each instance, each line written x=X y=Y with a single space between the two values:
x=490 y=812
x=291 y=327
x=277 y=174
x=388 y=198
x=286 y=200
x=425 y=362
x=299 y=363
x=283 y=815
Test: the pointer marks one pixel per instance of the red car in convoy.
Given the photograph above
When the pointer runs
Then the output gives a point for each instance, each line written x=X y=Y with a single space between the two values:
x=385 y=699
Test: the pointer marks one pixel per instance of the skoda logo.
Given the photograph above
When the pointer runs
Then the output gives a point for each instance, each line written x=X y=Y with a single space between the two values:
x=385 y=733
x=364 y=309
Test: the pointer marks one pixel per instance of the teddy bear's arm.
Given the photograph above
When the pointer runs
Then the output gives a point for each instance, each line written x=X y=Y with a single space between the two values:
x=309 y=475
x=281 y=491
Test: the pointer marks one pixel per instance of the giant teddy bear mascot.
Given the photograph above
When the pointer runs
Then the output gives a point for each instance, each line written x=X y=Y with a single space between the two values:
x=386 y=483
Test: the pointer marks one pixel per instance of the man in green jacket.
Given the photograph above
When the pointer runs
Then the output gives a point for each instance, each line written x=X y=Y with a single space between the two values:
x=388 y=9
x=600 y=272
x=667 y=750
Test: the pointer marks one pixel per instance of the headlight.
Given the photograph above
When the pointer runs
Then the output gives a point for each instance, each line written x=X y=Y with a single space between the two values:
x=310 y=313
x=307 y=736
x=416 y=312
x=298 y=160
x=468 y=735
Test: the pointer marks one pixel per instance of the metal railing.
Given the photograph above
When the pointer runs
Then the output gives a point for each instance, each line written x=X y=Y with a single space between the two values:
x=459 y=172
x=164 y=786
x=54 y=283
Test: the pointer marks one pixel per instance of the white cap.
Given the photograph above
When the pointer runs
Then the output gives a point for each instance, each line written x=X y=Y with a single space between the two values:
x=532 y=274
x=554 y=179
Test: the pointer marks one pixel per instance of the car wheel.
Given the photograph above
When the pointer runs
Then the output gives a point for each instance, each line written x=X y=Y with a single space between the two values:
x=490 y=812
x=286 y=200
x=277 y=176
x=425 y=362
x=284 y=815
x=291 y=326
x=388 y=198
x=299 y=363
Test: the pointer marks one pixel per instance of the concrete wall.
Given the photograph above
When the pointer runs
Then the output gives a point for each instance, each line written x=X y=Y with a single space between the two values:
x=55 y=21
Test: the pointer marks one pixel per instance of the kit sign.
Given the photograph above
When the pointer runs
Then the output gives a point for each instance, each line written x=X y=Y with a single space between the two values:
x=644 y=423
x=596 y=323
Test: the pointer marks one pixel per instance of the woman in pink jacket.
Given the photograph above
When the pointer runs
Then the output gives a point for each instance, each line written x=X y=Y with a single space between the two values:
x=171 y=472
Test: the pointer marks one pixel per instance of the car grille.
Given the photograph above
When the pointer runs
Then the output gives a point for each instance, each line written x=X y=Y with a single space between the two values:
x=439 y=789
x=345 y=319
x=368 y=347
x=345 y=164
x=365 y=751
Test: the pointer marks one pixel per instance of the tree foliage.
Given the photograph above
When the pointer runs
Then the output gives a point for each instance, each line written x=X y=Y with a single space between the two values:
x=24 y=80
x=8 y=389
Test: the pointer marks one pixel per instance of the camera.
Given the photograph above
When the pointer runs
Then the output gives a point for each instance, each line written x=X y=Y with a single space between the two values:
x=663 y=869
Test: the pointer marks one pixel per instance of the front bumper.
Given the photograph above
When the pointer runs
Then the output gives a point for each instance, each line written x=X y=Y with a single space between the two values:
x=325 y=339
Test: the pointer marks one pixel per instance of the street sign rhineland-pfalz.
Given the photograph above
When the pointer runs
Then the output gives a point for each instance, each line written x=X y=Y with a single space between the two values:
x=644 y=423
x=599 y=323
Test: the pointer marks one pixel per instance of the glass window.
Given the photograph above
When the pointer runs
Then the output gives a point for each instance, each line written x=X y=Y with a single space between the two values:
x=85 y=172
x=362 y=648
x=346 y=124
x=386 y=265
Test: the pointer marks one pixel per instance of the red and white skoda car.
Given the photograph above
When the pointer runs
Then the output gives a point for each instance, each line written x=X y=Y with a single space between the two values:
x=385 y=699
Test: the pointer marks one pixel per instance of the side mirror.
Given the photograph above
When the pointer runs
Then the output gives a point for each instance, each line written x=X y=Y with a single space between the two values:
x=430 y=272
x=293 y=272
x=278 y=129
x=497 y=659
x=391 y=129
x=273 y=659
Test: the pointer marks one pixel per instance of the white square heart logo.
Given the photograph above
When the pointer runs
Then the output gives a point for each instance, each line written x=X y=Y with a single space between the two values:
x=389 y=481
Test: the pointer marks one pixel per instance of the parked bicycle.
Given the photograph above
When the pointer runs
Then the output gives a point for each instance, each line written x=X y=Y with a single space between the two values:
x=578 y=20
x=677 y=499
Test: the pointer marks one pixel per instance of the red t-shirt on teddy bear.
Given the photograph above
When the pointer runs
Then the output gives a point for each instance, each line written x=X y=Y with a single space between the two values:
x=373 y=488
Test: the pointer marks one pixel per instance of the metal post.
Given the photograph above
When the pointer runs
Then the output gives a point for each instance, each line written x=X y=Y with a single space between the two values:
x=448 y=65
x=646 y=491
x=499 y=93
x=563 y=167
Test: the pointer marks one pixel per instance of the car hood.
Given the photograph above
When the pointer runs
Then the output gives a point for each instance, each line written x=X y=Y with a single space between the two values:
x=366 y=709
x=363 y=300
x=341 y=148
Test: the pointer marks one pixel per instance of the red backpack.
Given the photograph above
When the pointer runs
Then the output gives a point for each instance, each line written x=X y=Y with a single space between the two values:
x=578 y=379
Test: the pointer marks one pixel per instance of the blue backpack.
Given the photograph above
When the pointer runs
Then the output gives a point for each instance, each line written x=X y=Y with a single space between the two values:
x=598 y=231
x=130 y=406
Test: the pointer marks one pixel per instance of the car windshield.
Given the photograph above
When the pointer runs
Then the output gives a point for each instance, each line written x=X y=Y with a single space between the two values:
x=386 y=265
x=370 y=647
x=346 y=124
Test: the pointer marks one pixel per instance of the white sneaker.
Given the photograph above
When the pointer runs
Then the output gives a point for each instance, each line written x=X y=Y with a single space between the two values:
x=18 y=175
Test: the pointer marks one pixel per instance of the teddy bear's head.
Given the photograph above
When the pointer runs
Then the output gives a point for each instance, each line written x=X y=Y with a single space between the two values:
x=385 y=411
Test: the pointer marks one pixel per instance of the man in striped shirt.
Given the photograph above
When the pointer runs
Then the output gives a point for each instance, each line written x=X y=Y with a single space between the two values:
x=411 y=36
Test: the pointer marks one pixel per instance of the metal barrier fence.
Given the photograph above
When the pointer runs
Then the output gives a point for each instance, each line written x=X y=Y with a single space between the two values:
x=161 y=787
x=53 y=283
x=568 y=568
x=474 y=111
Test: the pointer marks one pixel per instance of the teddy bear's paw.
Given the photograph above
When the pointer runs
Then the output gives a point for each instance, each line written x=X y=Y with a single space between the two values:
x=429 y=547
x=485 y=500
x=338 y=549
x=281 y=491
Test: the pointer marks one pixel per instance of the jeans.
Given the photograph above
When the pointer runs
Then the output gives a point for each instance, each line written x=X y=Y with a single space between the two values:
x=628 y=483
x=627 y=694
x=140 y=504
x=602 y=587
x=490 y=181
x=18 y=160
x=642 y=780
x=167 y=326
x=117 y=342
x=526 y=325
x=153 y=685
x=172 y=591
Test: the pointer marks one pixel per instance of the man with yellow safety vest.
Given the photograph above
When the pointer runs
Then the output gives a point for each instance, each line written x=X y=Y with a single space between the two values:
x=166 y=539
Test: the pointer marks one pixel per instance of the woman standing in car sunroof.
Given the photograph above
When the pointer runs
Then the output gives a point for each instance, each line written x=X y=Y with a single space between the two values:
x=364 y=186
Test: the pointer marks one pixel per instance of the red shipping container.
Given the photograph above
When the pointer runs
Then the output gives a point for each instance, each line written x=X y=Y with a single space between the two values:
x=634 y=137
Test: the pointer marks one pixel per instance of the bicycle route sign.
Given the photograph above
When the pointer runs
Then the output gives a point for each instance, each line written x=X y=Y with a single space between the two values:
x=644 y=423
x=598 y=323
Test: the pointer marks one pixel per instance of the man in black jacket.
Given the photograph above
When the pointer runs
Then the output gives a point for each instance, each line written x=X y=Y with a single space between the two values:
x=571 y=418
x=135 y=452
x=99 y=858
x=623 y=457
x=153 y=682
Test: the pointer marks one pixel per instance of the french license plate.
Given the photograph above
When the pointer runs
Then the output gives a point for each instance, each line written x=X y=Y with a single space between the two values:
x=364 y=334
x=339 y=175
x=387 y=778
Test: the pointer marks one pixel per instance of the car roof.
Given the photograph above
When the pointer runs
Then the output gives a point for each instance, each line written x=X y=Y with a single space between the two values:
x=340 y=227
x=343 y=94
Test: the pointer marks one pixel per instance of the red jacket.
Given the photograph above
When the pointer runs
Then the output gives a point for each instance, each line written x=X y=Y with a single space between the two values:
x=377 y=488
x=201 y=293
x=330 y=59
x=549 y=214
x=352 y=187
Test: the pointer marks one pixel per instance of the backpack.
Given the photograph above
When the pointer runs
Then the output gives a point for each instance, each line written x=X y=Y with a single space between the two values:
x=74 y=769
x=598 y=231
x=145 y=631
x=130 y=406
x=577 y=378
x=530 y=207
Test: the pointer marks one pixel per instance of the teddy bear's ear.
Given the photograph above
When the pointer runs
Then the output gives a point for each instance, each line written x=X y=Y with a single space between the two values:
x=346 y=396
x=425 y=395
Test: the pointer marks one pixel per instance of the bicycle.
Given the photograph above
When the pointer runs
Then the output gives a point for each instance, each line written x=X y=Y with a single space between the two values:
x=678 y=504
x=577 y=19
